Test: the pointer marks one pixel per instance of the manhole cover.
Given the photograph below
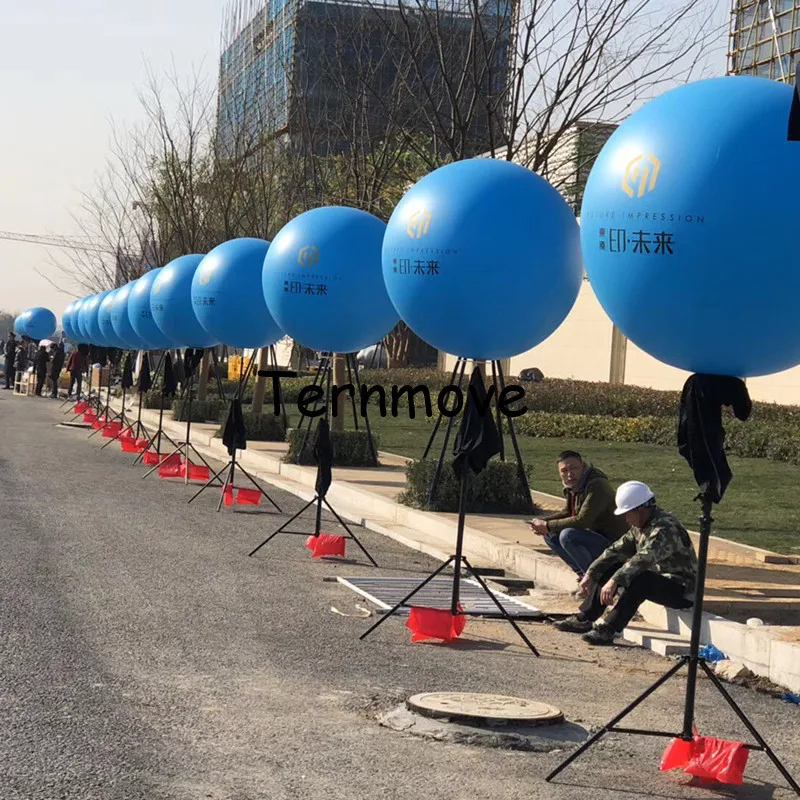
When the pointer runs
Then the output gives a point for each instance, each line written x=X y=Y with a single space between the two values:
x=484 y=707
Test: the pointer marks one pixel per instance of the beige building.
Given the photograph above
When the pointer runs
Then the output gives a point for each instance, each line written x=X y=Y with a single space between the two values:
x=586 y=347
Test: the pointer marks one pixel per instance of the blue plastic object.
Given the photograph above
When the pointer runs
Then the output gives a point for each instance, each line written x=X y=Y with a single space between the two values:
x=104 y=321
x=171 y=304
x=482 y=259
x=227 y=296
x=689 y=240
x=323 y=282
x=711 y=653
x=141 y=317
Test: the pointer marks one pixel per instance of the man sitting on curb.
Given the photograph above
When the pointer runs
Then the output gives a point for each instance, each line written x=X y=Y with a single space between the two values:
x=654 y=560
x=585 y=528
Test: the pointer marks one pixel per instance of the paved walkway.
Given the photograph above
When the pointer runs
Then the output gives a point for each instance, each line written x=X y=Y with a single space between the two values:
x=743 y=582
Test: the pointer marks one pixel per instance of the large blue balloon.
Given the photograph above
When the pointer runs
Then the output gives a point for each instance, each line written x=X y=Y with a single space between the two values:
x=121 y=322
x=482 y=259
x=65 y=320
x=227 y=297
x=77 y=320
x=104 y=322
x=141 y=317
x=322 y=280
x=19 y=324
x=40 y=323
x=688 y=227
x=91 y=322
x=171 y=303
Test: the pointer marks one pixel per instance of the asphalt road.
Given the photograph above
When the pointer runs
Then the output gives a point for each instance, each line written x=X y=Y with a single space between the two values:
x=143 y=655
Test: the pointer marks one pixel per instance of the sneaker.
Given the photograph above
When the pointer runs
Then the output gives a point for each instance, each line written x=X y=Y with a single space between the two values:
x=574 y=624
x=600 y=634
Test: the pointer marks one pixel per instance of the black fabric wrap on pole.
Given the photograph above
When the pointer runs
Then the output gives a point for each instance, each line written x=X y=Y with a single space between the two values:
x=477 y=439
x=793 y=133
x=145 y=379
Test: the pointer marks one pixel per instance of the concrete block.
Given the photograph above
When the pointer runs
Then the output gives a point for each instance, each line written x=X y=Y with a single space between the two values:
x=784 y=667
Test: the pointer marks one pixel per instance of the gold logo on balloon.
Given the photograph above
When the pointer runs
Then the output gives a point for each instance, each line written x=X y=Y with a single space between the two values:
x=641 y=175
x=156 y=287
x=308 y=256
x=205 y=275
x=418 y=224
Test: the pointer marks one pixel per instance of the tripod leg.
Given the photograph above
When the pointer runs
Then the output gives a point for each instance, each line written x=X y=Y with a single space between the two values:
x=352 y=535
x=288 y=522
x=502 y=610
x=260 y=488
x=750 y=727
x=228 y=482
x=406 y=598
x=206 y=485
x=624 y=713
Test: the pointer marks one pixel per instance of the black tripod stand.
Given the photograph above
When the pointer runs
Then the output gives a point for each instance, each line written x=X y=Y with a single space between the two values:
x=477 y=433
x=323 y=452
x=700 y=441
x=236 y=430
x=185 y=448
x=498 y=385
x=164 y=367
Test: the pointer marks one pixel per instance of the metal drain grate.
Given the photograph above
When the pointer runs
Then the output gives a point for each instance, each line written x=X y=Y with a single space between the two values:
x=387 y=592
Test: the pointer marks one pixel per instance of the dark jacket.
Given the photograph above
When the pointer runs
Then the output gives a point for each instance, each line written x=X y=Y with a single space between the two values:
x=10 y=349
x=57 y=363
x=78 y=363
x=590 y=507
x=40 y=361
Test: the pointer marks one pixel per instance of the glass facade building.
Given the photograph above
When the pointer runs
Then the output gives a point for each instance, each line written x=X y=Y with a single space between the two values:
x=279 y=59
x=764 y=38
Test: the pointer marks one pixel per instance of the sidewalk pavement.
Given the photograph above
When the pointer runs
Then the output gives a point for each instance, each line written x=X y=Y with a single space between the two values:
x=743 y=582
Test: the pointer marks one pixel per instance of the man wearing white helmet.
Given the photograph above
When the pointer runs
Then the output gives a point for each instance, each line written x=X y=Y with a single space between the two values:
x=654 y=560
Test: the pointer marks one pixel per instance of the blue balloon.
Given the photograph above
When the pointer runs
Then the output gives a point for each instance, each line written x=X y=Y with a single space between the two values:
x=227 y=297
x=40 y=323
x=91 y=323
x=77 y=320
x=688 y=228
x=121 y=322
x=171 y=303
x=482 y=259
x=19 y=324
x=322 y=280
x=104 y=322
x=65 y=319
x=141 y=317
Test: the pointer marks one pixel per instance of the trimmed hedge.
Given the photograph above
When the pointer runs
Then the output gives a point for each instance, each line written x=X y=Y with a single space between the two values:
x=258 y=427
x=152 y=399
x=497 y=489
x=202 y=410
x=350 y=448
x=751 y=439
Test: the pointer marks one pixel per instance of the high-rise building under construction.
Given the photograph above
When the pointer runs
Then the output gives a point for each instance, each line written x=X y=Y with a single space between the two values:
x=327 y=71
x=764 y=38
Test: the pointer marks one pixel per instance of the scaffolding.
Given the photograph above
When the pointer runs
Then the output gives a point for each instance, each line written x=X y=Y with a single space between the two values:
x=764 y=38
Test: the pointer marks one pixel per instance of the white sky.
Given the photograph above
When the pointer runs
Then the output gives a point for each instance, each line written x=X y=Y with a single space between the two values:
x=67 y=68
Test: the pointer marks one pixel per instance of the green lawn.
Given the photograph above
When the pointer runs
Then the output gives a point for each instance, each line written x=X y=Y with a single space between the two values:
x=760 y=507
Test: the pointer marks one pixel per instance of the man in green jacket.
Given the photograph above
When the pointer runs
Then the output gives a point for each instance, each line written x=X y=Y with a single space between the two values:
x=654 y=560
x=586 y=527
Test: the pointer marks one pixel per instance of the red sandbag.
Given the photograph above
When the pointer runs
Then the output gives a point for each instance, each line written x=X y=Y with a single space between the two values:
x=171 y=469
x=227 y=494
x=81 y=406
x=708 y=758
x=89 y=416
x=251 y=497
x=435 y=623
x=197 y=472
x=326 y=544
x=129 y=446
x=151 y=458
x=112 y=430
x=99 y=422
x=128 y=434
x=141 y=444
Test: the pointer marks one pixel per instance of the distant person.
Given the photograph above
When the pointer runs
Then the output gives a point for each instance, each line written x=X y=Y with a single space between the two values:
x=56 y=365
x=10 y=356
x=78 y=364
x=586 y=527
x=40 y=362
x=20 y=364
x=654 y=560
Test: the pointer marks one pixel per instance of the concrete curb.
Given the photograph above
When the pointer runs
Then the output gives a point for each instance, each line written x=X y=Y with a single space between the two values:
x=766 y=650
